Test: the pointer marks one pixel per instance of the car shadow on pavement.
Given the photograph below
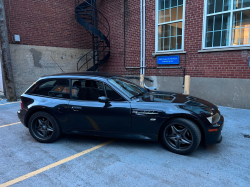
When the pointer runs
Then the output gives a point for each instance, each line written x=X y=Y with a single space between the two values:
x=134 y=144
x=139 y=144
x=76 y=142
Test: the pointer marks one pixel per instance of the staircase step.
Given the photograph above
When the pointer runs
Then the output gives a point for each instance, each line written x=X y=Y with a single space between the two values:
x=84 y=15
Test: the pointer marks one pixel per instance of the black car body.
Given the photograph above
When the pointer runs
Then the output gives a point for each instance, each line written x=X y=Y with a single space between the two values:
x=103 y=104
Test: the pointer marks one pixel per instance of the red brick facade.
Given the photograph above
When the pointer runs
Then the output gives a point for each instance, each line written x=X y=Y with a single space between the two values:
x=45 y=23
x=52 y=23
x=226 y=64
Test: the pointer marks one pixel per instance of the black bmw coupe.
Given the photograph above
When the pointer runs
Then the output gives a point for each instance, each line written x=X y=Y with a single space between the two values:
x=108 y=105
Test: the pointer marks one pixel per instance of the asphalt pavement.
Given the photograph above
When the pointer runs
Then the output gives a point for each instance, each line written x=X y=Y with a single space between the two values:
x=122 y=162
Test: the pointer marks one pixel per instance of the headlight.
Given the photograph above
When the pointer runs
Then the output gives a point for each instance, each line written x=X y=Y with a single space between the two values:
x=210 y=119
x=214 y=119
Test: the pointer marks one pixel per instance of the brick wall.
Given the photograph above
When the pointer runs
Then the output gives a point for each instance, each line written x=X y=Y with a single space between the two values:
x=52 y=23
x=229 y=64
x=45 y=23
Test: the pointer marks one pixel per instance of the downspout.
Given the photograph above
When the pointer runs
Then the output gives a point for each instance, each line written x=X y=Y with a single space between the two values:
x=143 y=43
x=144 y=38
x=142 y=66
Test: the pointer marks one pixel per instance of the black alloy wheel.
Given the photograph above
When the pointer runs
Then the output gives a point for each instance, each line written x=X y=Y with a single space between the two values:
x=43 y=127
x=180 y=136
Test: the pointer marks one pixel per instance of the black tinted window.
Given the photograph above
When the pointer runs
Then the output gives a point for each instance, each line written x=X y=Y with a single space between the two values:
x=87 y=90
x=51 y=87
x=113 y=95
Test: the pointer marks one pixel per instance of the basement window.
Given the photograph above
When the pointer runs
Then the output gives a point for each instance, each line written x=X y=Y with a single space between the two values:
x=226 y=23
x=169 y=25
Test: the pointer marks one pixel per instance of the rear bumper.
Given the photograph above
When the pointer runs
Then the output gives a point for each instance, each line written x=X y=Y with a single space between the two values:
x=215 y=137
x=21 y=114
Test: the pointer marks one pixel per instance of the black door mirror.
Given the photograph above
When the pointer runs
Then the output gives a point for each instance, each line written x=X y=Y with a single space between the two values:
x=103 y=99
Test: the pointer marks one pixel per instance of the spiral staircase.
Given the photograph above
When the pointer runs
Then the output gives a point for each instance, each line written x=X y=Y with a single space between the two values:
x=88 y=16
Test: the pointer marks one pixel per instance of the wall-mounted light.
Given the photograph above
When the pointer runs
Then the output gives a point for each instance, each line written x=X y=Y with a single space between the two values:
x=17 y=38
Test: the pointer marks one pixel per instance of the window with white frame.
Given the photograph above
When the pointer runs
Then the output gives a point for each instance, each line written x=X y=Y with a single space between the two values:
x=227 y=23
x=169 y=25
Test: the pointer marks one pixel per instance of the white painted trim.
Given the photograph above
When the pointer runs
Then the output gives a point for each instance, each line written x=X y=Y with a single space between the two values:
x=237 y=48
x=221 y=48
x=156 y=26
x=183 y=23
x=231 y=24
x=204 y=25
x=168 y=53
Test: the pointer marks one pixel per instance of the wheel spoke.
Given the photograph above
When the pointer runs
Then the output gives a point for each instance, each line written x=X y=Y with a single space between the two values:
x=170 y=135
x=177 y=144
x=185 y=141
x=46 y=123
x=49 y=129
x=44 y=133
x=174 y=130
x=171 y=138
x=183 y=131
x=40 y=122
x=39 y=128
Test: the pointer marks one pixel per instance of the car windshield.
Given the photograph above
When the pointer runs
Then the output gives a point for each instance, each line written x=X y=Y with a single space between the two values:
x=127 y=87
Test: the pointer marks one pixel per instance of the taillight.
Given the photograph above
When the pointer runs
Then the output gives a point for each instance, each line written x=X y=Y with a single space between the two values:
x=21 y=104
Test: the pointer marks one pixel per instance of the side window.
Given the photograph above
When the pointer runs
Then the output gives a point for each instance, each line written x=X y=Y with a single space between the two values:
x=88 y=90
x=51 y=87
x=47 y=84
x=113 y=95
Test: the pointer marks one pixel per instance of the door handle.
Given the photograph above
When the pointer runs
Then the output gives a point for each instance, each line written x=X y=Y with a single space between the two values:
x=76 y=108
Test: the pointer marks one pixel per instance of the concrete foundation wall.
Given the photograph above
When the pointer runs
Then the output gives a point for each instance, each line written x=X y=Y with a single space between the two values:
x=31 y=62
x=221 y=91
x=1 y=76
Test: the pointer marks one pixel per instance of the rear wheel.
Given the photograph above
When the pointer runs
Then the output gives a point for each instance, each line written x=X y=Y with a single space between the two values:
x=180 y=136
x=43 y=127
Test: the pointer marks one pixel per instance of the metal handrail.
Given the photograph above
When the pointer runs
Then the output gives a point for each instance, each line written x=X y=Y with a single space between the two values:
x=108 y=29
x=108 y=35
x=105 y=54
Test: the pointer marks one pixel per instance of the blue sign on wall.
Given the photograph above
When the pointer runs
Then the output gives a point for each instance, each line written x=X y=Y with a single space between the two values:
x=167 y=60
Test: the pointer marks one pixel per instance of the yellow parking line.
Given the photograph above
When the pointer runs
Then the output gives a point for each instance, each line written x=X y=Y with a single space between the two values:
x=10 y=103
x=14 y=181
x=9 y=124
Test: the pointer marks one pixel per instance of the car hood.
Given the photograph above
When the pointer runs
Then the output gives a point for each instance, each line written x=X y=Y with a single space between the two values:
x=169 y=97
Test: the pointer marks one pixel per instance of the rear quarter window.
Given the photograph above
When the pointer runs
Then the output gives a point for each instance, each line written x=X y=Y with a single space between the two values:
x=51 y=87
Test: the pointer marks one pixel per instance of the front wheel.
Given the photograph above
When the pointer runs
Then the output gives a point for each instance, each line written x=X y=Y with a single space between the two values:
x=43 y=127
x=180 y=136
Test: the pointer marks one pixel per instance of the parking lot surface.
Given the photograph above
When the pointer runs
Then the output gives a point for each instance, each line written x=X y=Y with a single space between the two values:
x=121 y=162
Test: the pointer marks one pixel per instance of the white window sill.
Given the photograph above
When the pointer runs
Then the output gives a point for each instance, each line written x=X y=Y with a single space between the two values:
x=167 y=53
x=223 y=49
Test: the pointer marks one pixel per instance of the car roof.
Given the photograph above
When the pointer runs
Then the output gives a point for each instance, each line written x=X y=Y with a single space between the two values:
x=86 y=74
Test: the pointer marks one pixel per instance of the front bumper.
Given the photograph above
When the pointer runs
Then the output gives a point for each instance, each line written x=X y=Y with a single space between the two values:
x=215 y=137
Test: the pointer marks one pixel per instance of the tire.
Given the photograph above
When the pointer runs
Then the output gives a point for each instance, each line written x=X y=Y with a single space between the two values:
x=44 y=127
x=180 y=136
